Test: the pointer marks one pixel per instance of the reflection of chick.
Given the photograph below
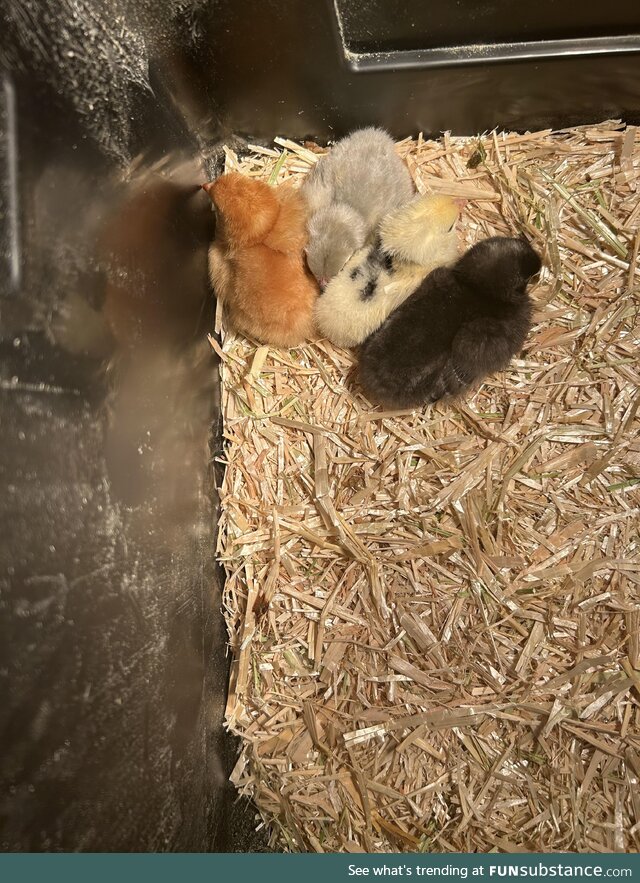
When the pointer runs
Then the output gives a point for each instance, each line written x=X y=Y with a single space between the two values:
x=349 y=191
x=256 y=263
x=414 y=240
x=462 y=323
x=151 y=246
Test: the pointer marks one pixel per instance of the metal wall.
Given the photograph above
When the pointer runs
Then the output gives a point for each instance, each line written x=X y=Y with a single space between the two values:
x=113 y=664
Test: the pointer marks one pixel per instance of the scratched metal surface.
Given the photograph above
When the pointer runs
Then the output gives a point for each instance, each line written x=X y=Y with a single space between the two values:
x=113 y=665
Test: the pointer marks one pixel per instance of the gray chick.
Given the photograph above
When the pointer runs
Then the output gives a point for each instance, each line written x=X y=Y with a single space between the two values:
x=349 y=191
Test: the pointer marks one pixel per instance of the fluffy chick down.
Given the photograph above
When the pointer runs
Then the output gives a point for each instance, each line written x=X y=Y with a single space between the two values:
x=413 y=240
x=349 y=191
x=256 y=263
x=463 y=323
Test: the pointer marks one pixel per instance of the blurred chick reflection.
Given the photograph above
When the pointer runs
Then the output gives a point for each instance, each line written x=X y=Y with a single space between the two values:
x=155 y=247
x=156 y=307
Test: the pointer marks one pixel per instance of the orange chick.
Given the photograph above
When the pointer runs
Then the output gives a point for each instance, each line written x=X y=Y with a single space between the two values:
x=256 y=262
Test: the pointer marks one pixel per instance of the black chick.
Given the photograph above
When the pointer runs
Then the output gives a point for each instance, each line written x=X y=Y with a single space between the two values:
x=462 y=323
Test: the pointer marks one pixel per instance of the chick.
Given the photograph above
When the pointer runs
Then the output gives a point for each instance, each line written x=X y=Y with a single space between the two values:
x=256 y=263
x=413 y=240
x=348 y=192
x=462 y=323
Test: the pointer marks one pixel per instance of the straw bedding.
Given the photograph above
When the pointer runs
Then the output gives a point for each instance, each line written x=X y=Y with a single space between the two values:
x=434 y=615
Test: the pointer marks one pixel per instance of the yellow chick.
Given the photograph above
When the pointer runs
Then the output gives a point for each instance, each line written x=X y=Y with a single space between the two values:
x=413 y=240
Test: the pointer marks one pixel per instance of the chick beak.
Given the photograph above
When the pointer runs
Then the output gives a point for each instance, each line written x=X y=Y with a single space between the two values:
x=322 y=283
x=207 y=187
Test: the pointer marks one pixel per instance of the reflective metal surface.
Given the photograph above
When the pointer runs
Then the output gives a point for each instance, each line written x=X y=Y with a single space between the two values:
x=113 y=661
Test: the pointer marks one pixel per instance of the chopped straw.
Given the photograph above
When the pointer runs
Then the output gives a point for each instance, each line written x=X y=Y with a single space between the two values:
x=435 y=614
